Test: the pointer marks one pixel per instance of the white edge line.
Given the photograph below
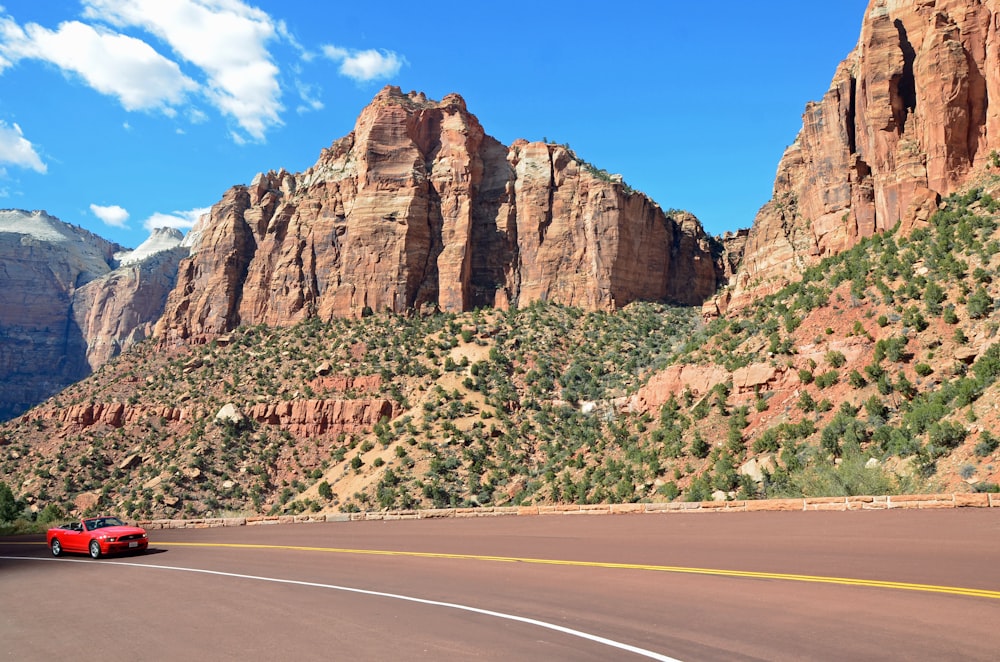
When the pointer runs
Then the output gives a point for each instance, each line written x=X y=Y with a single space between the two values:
x=395 y=596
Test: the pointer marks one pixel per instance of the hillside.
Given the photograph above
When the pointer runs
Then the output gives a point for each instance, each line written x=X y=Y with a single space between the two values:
x=875 y=374
x=427 y=317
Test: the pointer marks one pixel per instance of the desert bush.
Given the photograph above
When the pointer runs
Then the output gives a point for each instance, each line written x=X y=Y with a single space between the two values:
x=986 y=445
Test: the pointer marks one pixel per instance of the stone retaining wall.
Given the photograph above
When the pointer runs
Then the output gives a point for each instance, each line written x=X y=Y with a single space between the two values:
x=912 y=501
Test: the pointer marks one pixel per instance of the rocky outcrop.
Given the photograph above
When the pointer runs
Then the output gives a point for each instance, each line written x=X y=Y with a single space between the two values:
x=912 y=114
x=311 y=418
x=674 y=382
x=302 y=418
x=419 y=207
x=112 y=414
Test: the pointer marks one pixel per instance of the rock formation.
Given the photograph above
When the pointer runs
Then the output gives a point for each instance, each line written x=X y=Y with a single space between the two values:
x=911 y=115
x=64 y=307
x=419 y=207
x=42 y=263
x=303 y=418
x=120 y=308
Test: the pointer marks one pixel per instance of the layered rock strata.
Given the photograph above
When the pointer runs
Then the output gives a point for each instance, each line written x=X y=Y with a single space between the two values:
x=303 y=418
x=419 y=207
x=912 y=114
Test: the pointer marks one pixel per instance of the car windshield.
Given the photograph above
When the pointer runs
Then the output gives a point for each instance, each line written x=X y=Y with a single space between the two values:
x=101 y=522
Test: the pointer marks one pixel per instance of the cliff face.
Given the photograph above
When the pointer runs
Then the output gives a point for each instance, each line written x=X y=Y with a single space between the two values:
x=911 y=115
x=419 y=207
x=120 y=308
x=42 y=262
x=64 y=308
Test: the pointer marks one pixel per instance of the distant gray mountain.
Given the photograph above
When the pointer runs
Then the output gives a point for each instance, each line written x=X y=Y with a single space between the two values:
x=69 y=300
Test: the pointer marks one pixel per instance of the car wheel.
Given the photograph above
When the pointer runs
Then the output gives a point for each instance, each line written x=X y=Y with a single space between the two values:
x=56 y=547
x=95 y=549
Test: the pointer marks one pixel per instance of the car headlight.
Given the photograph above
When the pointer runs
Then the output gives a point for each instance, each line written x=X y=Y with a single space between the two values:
x=112 y=539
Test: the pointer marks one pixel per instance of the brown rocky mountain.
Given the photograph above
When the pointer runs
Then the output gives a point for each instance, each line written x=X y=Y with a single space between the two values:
x=911 y=115
x=66 y=305
x=419 y=207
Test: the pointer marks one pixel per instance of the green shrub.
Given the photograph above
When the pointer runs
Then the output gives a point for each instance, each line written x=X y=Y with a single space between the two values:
x=699 y=490
x=835 y=359
x=827 y=379
x=699 y=447
x=946 y=434
x=986 y=445
x=10 y=507
x=856 y=380
x=669 y=490
x=979 y=303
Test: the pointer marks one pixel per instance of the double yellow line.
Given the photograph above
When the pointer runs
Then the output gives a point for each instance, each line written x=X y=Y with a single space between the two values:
x=814 y=579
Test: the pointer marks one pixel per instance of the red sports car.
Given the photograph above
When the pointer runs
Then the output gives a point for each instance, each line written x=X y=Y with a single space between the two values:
x=97 y=536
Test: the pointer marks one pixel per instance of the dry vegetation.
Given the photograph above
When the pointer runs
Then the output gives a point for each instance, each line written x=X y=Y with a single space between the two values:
x=885 y=362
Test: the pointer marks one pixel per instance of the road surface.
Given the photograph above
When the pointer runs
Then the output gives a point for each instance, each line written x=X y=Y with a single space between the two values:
x=885 y=585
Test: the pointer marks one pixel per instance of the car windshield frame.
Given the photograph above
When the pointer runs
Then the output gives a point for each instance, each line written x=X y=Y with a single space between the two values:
x=102 y=522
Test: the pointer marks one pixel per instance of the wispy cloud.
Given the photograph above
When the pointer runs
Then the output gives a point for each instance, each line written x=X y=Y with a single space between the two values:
x=180 y=220
x=367 y=65
x=310 y=97
x=113 y=64
x=17 y=150
x=166 y=56
x=224 y=38
x=112 y=215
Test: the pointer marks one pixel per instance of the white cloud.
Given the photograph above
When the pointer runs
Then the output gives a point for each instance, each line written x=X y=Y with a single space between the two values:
x=113 y=64
x=366 y=65
x=181 y=220
x=112 y=215
x=17 y=150
x=310 y=97
x=225 y=38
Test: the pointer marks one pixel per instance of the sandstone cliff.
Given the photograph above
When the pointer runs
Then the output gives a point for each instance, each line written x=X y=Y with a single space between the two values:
x=120 y=308
x=419 y=207
x=42 y=262
x=64 y=307
x=911 y=115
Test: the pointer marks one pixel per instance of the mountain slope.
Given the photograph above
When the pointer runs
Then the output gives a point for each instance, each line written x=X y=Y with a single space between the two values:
x=875 y=373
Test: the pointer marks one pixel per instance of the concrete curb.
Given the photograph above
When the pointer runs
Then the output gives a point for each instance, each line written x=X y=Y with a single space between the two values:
x=840 y=504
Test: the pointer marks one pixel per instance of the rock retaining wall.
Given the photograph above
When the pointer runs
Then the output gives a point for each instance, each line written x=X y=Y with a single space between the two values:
x=913 y=501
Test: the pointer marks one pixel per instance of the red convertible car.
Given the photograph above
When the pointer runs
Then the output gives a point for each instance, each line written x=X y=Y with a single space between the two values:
x=97 y=536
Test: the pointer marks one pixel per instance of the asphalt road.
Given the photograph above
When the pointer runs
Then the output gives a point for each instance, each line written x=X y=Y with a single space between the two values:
x=888 y=585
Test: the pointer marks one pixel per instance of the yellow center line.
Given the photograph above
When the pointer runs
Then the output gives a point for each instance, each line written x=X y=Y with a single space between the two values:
x=815 y=579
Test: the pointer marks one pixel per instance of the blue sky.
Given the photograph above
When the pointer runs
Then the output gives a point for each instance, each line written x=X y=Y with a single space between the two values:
x=123 y=115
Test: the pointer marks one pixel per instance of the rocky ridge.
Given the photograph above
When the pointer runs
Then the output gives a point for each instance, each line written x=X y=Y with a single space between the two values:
x=418 y=207
x=911 y=115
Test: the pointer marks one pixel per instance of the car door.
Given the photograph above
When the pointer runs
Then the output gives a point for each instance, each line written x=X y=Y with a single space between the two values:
x=74 y=540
